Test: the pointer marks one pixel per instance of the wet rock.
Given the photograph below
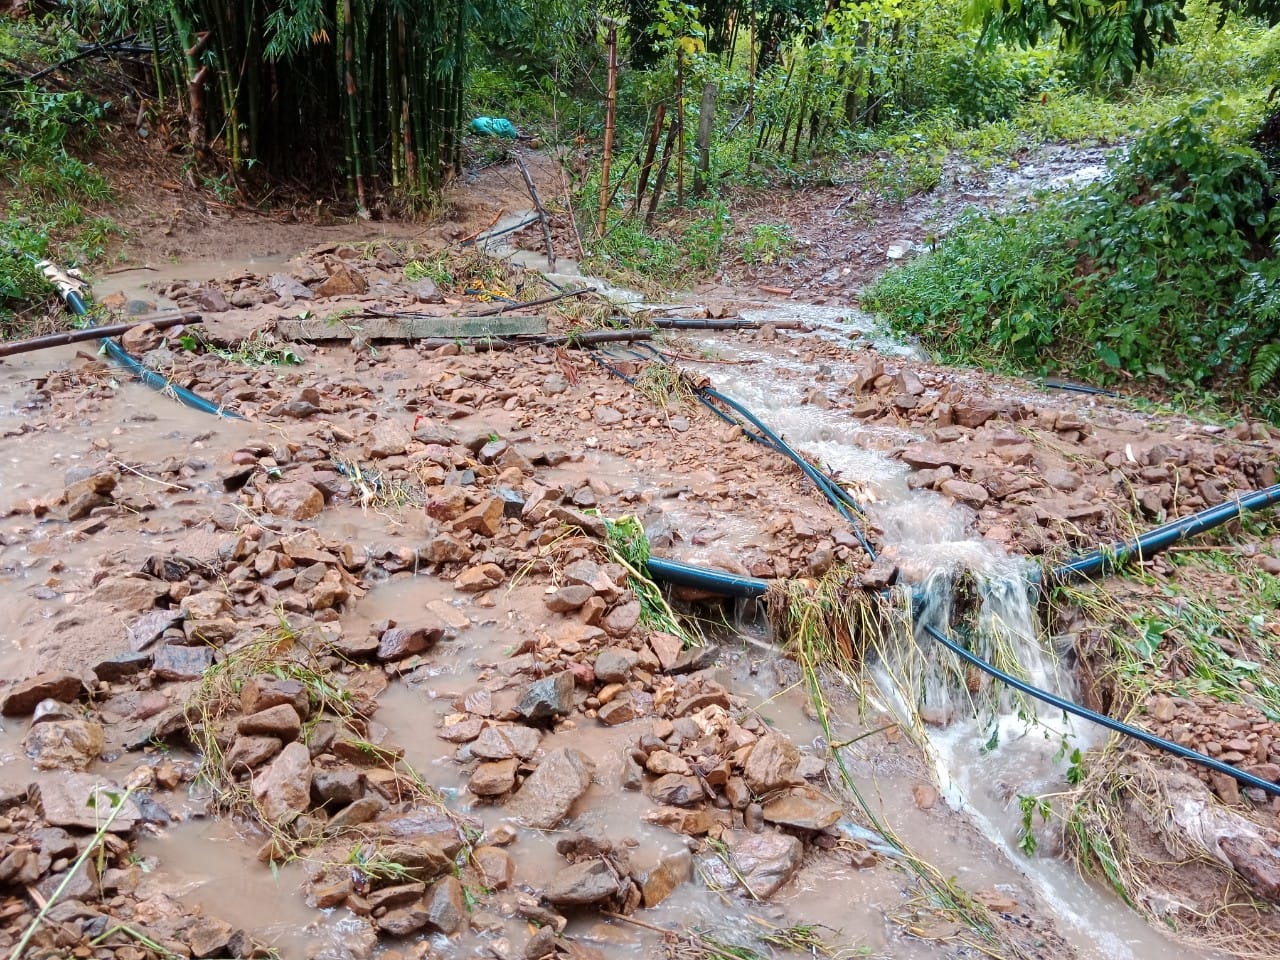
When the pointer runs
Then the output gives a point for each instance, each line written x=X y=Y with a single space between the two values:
x=403 y=921
x=336 y=786
x=621 y=709
x=622 y=619
x=695 y=658
x=396 y=643
x=21 y=699
x=614 y=664
x=357 y=813
x=83 y=801
x=545 y=798
x=446 y=548
x=425 y=825
x=485 y=518
x=569 y=598
x=802 y=808
x=658 y=876
x=765 y=861
x=592 y=526
x=582 y=884
x=64 y=744
x=387 y=439
x=1257 y=860
x=505 y=742
x=209 y=937
x=973 y=494
x=122 y=666
x=359 y=646
x=344 y=281
x=447 y=906
x=178 y=662
x=662 y=762
x=497 y=869
x=288 y=288
x=296 y=500
x=771 y=764
x=694 y=822
x=423 y=859
x=261 y=693
x=547 y=698
x=925 y=796
x=327 y=892
x=281 y=721
x=494 y=778
x=676 y=790
x=249 y=753
x=282 y=789
x=606 y=416
x=148 y=628
x=461 y=729
x=484 y=576
x=974 y=412
x=737 y=793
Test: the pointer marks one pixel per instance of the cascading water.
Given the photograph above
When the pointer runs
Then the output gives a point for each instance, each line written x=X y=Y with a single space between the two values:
x=988 y=745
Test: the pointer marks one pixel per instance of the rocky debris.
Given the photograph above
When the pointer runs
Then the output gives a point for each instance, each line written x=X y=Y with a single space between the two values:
x=547 y=698
x=1234 y=733
x=21 y=699
x=549 y=793
x=582 y=884
x=494 y=778
x=447 y=906
x=282 y=789
x=770 y=764
x=763 y=862
x=66 y=743
x=296 y=500
x=802 y=808
x=659 y=874
x=83 y=801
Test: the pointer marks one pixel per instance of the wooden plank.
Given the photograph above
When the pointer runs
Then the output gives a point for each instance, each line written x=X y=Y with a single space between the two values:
x=409 y=328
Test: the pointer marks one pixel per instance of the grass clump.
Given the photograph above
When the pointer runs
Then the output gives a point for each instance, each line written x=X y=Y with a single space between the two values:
x=1166 y=271
x=628 y=545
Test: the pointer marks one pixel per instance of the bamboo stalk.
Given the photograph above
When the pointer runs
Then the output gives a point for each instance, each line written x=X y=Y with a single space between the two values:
x=610 y=117
x=680 y=125
x=543 y=216
x=662 y=176
x=62 y=338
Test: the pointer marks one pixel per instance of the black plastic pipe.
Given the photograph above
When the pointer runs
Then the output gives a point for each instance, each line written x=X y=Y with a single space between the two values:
x=727 y=584
x=1147 y=545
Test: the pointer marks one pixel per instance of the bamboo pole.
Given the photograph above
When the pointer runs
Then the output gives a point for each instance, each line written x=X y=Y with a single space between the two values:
x=92 y=333
x=680 y=125
x=662 y=176
x=706 y=120
x=610 y=118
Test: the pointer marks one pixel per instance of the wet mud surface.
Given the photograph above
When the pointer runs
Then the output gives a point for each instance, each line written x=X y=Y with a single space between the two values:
x=377 y=685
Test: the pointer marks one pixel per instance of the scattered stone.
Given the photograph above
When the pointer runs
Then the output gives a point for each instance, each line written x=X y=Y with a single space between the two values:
x=249 y=753
x=83 y=801
x=925 y=796
x=64 y=744
x=764 y=861
x=178 y=662
x=22 y=698
x=396 y=643
x=209 y=937
x=280 y=721
x=582 y=884
x=296 y=500
x=802 y=808
x=622 y=619
x=447 y=906
x=505 y=742
x=282 y=789
x=620 y=709
x=677 y=790
x=494 y=778
x=659 y=877
x=569 y=598
x=545 y=798
x=771 y=764
x=614 y=664
x=497 y=869
x=485 y=576
x=547 y=698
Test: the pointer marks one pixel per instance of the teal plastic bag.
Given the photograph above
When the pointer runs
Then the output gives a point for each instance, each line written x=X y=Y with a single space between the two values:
x=494 y=127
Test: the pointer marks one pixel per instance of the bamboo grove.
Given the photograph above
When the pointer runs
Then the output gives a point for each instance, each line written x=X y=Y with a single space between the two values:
x=366 y=90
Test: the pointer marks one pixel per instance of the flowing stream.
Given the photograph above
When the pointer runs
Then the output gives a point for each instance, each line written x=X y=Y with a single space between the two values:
x=988 y=745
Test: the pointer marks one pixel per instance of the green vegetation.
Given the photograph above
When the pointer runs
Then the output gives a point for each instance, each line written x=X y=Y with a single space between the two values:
x=1165 y=269
x=46 y=192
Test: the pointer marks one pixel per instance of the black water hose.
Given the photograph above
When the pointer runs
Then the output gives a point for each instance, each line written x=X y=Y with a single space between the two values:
x=67 y=290
x=1163 y=537
x=731 y=585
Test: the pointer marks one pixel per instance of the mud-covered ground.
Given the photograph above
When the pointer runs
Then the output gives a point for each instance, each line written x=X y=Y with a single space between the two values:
x=366 y=675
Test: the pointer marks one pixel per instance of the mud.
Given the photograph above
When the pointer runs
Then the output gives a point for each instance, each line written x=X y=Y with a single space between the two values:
x=370 y=485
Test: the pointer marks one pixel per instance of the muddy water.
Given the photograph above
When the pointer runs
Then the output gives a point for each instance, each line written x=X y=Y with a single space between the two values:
x=932 y=542
x=141 y=283
x=848 y=902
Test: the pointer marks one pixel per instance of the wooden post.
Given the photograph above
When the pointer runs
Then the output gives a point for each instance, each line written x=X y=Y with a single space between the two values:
x=706 y=120
x=537 y=206
x=610 y=116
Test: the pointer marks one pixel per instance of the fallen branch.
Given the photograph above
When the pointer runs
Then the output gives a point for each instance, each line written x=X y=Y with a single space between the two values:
x=537 y=205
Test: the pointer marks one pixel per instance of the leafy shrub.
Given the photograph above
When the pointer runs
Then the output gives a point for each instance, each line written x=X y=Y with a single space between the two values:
x=1165 y=269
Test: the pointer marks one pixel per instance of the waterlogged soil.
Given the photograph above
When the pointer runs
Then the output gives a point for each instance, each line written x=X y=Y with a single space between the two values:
x=329 y=647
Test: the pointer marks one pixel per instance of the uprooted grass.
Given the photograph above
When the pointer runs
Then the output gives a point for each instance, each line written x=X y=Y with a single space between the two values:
x=628 y=545
x=835 y=630
x=284 y=654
